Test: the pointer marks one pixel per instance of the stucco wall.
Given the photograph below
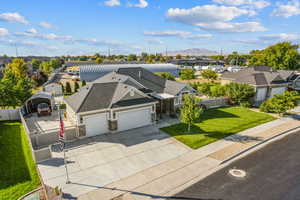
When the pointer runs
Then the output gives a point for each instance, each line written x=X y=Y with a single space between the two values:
x=9 y=114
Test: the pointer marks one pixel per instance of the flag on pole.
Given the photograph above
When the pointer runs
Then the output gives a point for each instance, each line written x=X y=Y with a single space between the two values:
x=62 y=128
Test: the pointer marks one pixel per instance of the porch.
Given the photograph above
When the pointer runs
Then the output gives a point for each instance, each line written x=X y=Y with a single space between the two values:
x=165 y=105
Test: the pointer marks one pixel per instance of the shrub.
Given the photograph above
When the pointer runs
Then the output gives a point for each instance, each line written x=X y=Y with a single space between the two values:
x=83 y=83
x=187 y=74
x=211 y=89
x=239 y=92
x=76 y=86
x=280 y=103
x=209 y=75
x=217 y=90
x=245 y=104
x=68 y=88
x=166 y=75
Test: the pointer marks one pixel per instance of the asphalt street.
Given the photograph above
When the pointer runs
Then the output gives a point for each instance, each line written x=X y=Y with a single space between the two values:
x=273 y=173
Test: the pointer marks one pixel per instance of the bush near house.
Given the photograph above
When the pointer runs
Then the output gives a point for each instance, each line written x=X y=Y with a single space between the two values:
x=238 y=93
x=187 y=74
x=280 y=103
x=209 y=74
x=68 y=88
x=166 y=75
x=76 y=86
x=18 y=174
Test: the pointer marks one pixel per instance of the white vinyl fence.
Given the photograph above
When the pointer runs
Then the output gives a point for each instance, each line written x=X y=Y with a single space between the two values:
x=9 y=114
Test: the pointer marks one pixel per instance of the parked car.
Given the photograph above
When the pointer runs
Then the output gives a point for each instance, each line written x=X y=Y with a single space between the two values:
x=43 y=109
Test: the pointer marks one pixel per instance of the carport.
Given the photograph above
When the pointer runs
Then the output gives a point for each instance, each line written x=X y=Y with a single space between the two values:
x=41 y=97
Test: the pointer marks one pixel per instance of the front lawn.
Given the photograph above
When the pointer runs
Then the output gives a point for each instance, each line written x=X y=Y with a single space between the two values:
x=18 y=174
x=215 y=124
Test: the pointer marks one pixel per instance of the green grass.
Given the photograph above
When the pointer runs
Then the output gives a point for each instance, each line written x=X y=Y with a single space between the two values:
x=18 y=174
x=215 y=124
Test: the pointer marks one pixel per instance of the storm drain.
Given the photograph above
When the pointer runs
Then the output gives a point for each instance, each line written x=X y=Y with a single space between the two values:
x=238 y=173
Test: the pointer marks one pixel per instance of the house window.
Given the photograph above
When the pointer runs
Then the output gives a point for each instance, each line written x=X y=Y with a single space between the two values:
x=153 y=108
x=80 y=120
x=176 y=100
x=114 y=115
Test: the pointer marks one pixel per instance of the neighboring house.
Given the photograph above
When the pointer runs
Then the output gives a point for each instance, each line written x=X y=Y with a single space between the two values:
x=53 y=88
x=267 y=81
x=124 y=99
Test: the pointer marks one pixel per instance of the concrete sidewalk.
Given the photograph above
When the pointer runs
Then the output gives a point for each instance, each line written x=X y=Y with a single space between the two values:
x=161 y=181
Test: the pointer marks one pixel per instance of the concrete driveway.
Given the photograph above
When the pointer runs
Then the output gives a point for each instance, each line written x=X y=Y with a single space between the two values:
x=101 y=160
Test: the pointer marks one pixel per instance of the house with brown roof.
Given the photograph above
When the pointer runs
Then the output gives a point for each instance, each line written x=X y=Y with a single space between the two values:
x=266 y=80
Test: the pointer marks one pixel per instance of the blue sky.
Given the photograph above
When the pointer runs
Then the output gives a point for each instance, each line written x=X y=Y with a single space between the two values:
x=62 y=27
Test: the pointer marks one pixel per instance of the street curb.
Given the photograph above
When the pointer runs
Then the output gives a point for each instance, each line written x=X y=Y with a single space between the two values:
x=268 y=140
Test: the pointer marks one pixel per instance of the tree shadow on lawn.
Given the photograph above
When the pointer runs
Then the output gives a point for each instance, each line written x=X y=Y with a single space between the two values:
x=214 y=114
x=229 y=135
x=14 y=168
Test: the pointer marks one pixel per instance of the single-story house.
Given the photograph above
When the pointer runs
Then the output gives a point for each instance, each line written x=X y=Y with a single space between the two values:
x=124 y=99
x=266 y=80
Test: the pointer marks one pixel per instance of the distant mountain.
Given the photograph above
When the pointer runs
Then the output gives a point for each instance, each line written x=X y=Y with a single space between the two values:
x=193 y=52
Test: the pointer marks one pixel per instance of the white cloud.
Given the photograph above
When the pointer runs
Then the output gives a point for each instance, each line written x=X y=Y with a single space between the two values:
x=206 y=14
x=112 y=3
x=281 y=37
x=70 y=39
x=169 y=33
x=26 y=44
x=270 y=39
x=258 y=4
x=155 y=41
x=46 y=25
x=140 y=4
x=287 y=10
x=3 y=32
x=199 y=36
x=177 y=33
x=32 y=31
x=13 y=17
x=226 y=27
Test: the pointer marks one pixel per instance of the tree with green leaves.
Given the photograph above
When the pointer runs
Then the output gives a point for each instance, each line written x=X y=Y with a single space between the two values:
x=68 y=88
x=280 y=103
x=18 y=67
x=14 y=89
x=239 y=92
x=62 y=88
x=283 y=55
x=35 y=63
x=209 y=75
x=99 y=60
x=190 y=111
x=83 y=83
x=187 y=74
x=166 y=75
x=76 y=86
x=132 y=57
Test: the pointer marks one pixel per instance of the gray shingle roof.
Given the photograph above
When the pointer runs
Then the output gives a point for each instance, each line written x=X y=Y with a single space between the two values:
x=259 y=75
x=98 y=96
x=153 y=82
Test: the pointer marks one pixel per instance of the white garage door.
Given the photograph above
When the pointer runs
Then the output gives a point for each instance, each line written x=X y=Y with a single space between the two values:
x=279 y=90
x=134 y=119
x=95 y=124
x=261 y=94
